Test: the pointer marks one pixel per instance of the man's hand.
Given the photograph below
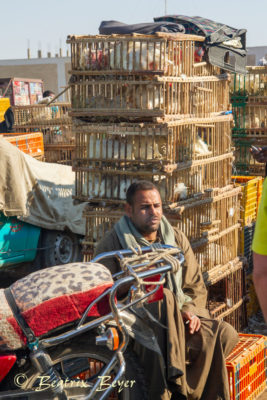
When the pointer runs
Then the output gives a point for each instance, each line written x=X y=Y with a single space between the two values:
x=192 y=321
x=259 y=153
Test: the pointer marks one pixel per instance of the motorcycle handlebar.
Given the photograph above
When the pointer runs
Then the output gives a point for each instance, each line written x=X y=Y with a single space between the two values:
x=161 y=269
x=127 y=252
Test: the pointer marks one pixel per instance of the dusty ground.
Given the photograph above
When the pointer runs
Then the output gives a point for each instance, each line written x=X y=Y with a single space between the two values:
x=256 y=325
x=263 y=396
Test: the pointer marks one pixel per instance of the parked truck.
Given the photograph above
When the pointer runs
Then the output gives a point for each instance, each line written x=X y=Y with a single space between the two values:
x=39 y=222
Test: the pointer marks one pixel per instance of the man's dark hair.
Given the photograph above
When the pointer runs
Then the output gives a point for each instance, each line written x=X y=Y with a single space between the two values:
x=48 y=93
x=136 y=186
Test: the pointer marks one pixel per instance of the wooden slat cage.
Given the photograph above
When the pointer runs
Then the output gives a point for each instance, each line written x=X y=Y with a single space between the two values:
x=41 y=114
x=53 y=134
x=211 y=213
x=256 y=116
x=236 y=316
x=240 y=120
x=151 y=98
x=244 y=163
x=100 y=181
x=63 y=153
x=217 y=249
x=228 y=291
x=172 y=142
x=59 y=134
x=162 y=53
x=254 y=83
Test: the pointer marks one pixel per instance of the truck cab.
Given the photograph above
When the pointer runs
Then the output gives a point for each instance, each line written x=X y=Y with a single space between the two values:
x=18 y=241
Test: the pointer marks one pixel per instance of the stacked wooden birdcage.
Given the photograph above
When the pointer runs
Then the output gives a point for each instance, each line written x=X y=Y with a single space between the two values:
x=249 y=102
x=148 y=107
x=54 y=122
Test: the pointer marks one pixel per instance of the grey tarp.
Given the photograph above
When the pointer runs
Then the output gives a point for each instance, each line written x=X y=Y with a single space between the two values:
x=37 y=192
x=221 y=40
x=149 y=28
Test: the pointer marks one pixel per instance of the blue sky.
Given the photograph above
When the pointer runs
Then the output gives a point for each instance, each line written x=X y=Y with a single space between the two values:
x=46 y=24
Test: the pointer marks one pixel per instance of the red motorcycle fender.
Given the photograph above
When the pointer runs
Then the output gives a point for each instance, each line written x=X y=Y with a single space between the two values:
x=6 y=363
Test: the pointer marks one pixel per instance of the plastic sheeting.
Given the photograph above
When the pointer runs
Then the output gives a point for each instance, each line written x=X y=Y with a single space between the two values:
x=111 y=27
x=37 y=192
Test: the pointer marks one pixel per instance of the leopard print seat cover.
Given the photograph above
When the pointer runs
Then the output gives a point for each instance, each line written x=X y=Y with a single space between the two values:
x=52 y=297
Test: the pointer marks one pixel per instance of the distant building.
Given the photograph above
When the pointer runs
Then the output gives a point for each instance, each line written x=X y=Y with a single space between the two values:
x=52 y=70
x=255 y=54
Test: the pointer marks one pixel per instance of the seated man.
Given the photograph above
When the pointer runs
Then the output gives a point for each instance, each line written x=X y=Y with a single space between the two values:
x=194 y=346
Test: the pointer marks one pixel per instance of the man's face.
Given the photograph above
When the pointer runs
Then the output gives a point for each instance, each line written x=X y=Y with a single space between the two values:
x=146 y=212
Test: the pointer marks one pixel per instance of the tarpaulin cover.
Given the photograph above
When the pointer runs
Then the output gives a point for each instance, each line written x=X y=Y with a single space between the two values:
x=37 y=192
x=220 y=38
x=116 y=27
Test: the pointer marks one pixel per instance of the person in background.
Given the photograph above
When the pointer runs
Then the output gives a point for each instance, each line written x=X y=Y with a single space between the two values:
x=193 y=345
x=48 y=95
x=259 y=243
x=6 y=126
x=260 y=155
x=51 y=112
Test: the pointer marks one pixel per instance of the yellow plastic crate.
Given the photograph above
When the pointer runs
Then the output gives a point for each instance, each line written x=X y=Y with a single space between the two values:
x=4 y=105
x=259 y=192
x=251 y=193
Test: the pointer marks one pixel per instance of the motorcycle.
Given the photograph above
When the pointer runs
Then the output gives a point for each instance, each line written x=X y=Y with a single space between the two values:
x=88 y=358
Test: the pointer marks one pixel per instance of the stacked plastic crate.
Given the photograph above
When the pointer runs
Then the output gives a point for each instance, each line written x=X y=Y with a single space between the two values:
x=145 y=107
x=251 y=187
x=246 y=367
x=249 y=102
x=54 y=122
x=30 y=143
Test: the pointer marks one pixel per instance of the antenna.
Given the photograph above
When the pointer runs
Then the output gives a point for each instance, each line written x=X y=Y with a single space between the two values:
x=165 y=7
x=60 y=47
x=28 y=49
x=39 y=51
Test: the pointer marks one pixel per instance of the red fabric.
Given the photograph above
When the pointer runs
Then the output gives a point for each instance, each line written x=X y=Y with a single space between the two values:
x=51 y=314
x=81 y=301
x=62 y=310
x=158 y=295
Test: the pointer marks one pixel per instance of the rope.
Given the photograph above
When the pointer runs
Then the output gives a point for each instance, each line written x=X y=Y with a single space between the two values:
x=151 y=258
x=19 y=250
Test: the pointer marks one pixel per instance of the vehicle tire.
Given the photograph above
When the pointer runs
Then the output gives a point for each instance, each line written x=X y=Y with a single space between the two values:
x=80 y=358
x=59 y=247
